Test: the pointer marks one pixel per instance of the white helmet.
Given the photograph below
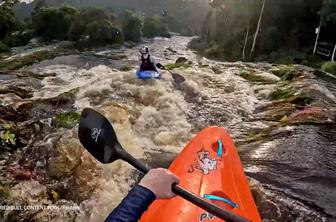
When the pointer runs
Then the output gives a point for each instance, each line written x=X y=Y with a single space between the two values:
x=144 y=50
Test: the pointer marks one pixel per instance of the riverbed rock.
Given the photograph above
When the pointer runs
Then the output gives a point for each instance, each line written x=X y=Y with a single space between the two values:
x=181 y=60
x=68 y=157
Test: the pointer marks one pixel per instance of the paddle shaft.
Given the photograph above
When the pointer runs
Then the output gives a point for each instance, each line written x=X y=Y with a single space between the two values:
x=169 y=71
x=187 y=195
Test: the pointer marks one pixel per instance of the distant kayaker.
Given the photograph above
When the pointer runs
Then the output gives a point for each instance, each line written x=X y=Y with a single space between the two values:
x=156 y=184
x=148 y=62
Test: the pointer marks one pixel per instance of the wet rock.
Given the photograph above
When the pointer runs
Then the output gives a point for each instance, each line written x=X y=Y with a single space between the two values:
x=117 y=112
x=21 y=92
x=15 y=112
x=310 y=115
x=230 y=87
x=72 y=161
x=86 y=177
x=28 y=192
x=264 y=91
x=268 y=201
x=181 y=60
x=166 y=138
x=62 y=211
x=33 y=196
x=217 y=69
x=66 y=98
x=169 y=50
x=21 y=173
x=257 y=76
x=117 y=57
x=31 y=58
x=161 y=159
x=277 y=111
x=190 y=89
x=204 y=62
x=68 y=156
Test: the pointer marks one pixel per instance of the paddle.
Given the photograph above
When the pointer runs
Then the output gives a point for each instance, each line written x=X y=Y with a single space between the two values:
x=97 y=135
x=177 y=77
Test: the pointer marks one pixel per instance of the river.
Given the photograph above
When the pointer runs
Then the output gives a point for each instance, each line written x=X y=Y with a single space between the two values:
x=287 y=145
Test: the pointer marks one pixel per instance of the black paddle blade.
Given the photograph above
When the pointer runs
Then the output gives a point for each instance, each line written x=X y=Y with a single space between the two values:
x=178 y=78
x=97 y=136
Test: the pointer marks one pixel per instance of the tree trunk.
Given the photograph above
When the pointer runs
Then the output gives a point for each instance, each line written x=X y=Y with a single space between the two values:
x=258 y=28
x=246 y=37
x=333 y=55
x=318 y=35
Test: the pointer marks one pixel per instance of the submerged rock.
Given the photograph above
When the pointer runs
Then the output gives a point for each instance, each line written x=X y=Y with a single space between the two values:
x=181 y=60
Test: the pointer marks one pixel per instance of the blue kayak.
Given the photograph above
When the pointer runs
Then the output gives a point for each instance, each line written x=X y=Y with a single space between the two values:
x=147 y=75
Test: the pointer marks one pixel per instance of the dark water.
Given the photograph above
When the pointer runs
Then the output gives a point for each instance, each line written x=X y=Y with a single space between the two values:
x=4 y=77
x=328 y=80
x=301 y=166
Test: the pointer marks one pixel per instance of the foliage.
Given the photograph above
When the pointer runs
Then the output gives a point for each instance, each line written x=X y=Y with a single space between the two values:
x=131 y=26
x=328 y=11
x=214 y=51
x=154 y=26
x=177 y=65
x=329 y=67
x=83 y=19
x=19 y=38
x=67 y=120
x=3 y=47
x=282 y=93
x=8 y=21
x=286 y=34
x=271 y=39
x=7 y=137
x=94 y=26
x=53 y=23
x=104 y=32
x=198 y=45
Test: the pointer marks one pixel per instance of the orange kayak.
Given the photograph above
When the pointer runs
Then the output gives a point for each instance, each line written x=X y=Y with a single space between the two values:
x=210 y=167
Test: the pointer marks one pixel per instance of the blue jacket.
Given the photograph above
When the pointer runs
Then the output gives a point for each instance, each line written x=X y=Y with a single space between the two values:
x=132 y=206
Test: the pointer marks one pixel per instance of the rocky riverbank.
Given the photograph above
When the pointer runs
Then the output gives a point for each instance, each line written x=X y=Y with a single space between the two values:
x=281 y=117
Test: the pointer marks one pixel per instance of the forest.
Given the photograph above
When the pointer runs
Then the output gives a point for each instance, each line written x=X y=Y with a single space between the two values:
x=64 y=20
x=269 y=30
x=275 y=31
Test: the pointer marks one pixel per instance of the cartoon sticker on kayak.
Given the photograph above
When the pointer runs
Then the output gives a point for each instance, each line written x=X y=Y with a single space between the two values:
x=206 y=216
x=204 y=162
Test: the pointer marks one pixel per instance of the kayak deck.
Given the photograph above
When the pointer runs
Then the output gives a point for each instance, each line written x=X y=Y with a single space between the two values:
x=147 y=74
x=210 y=167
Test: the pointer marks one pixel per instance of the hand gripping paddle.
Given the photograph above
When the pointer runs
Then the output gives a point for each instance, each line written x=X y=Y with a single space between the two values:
x=98 y=136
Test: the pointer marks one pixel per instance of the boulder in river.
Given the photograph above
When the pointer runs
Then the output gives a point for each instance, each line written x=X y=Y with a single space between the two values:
x=181 y=60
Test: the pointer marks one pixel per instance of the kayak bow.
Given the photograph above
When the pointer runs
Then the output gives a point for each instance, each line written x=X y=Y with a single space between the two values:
x=210 y=167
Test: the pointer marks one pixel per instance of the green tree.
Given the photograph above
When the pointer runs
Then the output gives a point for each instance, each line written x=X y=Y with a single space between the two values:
x=131 y=25
x=95 y=26
x=261 y=28
x=53 y=23
x=154 y=26
x=328 y=11
x=84 y=18
x=104 y=32
x=8 y=22
x=3 y=47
